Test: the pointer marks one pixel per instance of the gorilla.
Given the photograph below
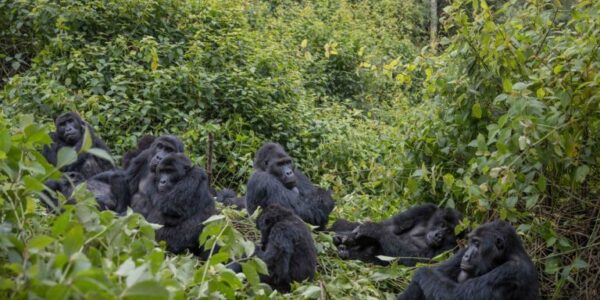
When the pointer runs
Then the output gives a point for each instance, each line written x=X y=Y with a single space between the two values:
x=493 y=266
x=70 y=130
x=69 y=180
x=180 y=202
x=230 y=198
x=415 y=235
x=286 y=247
x=143 y=143
x=135 y=185
x=276 y=181
x=65 y=185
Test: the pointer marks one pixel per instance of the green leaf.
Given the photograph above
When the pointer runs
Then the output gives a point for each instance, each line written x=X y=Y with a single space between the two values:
x=448 y=180
x=506 y=85
x=541 y=184
x=87 y=141
x=40 y=242
x=101 y=153
x=73 y=240
x=476 y=110
x=146 y=290
x=5 y=141
x=311 y=292
x=33 y=184
x=65 y=156
x=581 y=173
x=250 y=272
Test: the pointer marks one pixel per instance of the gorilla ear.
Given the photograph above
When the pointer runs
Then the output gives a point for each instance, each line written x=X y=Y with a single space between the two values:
x=500 y=243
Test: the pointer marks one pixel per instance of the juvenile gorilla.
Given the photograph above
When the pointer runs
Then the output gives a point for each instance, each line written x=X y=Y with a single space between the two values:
x=286 y=247
x=143 y=143
x=417 y=234
x=493 y=266
x=69 y=180
x=182 y=203
x=230 y=198
x=65 y=185
x=276 y=181
x=70 y=130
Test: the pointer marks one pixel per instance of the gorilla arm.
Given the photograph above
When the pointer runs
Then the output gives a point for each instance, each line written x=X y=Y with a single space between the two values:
x=188 y=196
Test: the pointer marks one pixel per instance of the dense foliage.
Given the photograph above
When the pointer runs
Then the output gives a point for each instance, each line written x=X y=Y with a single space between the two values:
x=501 y=121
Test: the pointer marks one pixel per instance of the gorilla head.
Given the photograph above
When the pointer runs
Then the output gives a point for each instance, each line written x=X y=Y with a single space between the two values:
x=70 y=128
x=487 y=249
x=273 y=159
x=172 y=169
x=163 y=146
x=440 y=228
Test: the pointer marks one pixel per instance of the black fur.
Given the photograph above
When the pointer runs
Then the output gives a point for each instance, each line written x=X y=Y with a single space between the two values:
x=143 y=143
x=70 y=130
x=230 y=198
x=286 y=247
x=182 y=205
x=417 y=234
x=292 y=189
x=493 y=266
x=65 y=185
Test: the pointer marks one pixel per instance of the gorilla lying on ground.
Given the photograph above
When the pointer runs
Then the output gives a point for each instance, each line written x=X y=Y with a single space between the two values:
x=229 y=197
x=493 y=266
x=181 y=203
x=417 y=234
x=276 y=181
x=70 y=131
x=286 y=247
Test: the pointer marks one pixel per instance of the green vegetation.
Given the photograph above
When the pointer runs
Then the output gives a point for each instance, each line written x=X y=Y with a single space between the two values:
x=503 y=120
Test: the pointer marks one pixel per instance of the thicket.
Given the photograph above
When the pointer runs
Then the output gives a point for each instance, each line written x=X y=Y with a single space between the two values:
x=501 y=121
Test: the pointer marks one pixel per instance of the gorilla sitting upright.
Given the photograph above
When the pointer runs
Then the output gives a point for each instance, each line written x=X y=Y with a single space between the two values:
x=276 y=181
x=286 y=247
x=135 y=185
x=70 y=131
x=181 y=203
x=417 y=234
x=493 y=266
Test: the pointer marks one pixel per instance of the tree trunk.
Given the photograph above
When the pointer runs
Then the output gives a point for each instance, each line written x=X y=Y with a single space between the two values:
x=433 y=24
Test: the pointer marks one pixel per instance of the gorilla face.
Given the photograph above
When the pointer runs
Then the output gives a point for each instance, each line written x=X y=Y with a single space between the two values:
x=160 y=149
x=272 y=158
x=482 y=254
x=171 y=170
x=69 y=128
x=440 y=228
x=283 y=169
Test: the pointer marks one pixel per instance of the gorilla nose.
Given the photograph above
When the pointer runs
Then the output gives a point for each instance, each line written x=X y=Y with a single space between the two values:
x=162 y=182
x=289 y=173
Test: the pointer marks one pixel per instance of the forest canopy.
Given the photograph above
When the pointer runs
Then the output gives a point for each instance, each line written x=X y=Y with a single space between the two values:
x=498 y=117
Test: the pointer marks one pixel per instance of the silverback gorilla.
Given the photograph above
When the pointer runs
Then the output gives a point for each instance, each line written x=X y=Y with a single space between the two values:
x=276 y=181
x=70 y=130
x=417 y=234
x=286 y=247
x=493 y=266
x=181 y=203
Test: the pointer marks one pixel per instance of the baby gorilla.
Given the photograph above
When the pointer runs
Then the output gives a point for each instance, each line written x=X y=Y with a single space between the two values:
x=493 y=266
x=286 y=247
x=417 y=234
x=183 y=202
